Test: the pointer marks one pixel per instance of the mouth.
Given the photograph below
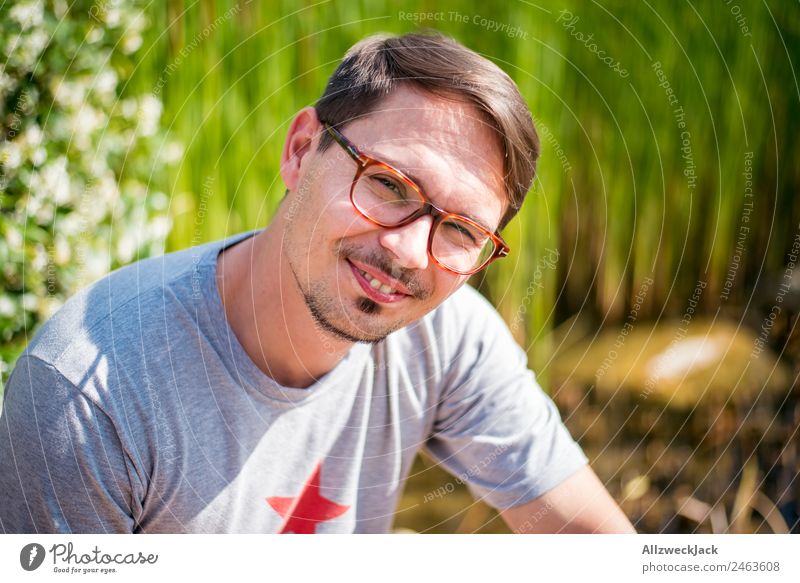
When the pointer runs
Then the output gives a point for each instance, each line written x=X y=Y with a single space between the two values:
x=377 y=287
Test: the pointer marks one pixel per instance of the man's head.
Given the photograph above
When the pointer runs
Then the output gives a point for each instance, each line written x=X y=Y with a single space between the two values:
x=442 y=115
x=432 y=63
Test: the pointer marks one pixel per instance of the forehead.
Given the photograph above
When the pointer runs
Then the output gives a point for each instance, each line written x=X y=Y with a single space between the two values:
x=446 y=144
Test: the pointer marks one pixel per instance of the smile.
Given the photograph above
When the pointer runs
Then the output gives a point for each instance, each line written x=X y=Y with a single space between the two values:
x=377 y=284
x=374 y=288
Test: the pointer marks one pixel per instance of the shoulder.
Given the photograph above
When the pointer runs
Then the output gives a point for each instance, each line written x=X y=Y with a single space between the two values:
x=465 y=309
x=123 y=306
x=462 y=331
x=101 y=301
x=468 y=321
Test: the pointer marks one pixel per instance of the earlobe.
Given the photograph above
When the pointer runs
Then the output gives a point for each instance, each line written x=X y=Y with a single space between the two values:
x=300 y=140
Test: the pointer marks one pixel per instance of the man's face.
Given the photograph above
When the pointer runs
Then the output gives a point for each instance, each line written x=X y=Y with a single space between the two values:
x=361 y=281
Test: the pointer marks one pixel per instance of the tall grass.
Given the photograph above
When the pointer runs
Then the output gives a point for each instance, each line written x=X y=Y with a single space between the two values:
x=621 y=209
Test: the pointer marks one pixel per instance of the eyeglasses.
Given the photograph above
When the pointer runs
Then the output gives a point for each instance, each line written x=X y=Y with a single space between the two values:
x=386 y=197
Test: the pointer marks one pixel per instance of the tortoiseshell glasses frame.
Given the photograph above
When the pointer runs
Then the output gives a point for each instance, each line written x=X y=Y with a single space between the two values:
x=391 y=200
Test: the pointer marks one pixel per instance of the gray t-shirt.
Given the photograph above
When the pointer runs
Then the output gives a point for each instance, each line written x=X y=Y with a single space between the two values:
x=135 y=409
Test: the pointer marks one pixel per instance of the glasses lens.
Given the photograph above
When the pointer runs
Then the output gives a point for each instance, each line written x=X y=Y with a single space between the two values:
x=461 y=246
x=383 y=196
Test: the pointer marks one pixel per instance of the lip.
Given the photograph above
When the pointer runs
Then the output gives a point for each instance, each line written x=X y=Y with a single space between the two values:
x=381 y=277
x=373 y=293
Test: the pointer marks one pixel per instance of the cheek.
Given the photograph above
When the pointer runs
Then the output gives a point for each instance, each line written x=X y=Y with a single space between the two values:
x=341 y=220
x=331 y=211
x=444 y=285
x=316 y=203
x=320 y=230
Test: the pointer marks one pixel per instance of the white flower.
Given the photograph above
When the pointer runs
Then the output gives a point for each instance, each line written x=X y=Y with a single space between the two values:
x=68 y=95
x=25 y=49
x=13 y=237
x=51 y=184
x=105 y=85
x=96 y=266
x=60 y=8
x=34 y=136
x=111 y=16
x=159 y=228
x=173 y=152
x=131 y=43
x=39 y=156
x=61 y=251
x=39 y=261
x=7 y=83
x=149 y=115
x=106 y=191
x=28 y=14
x=71 y=224
x=34 y=203
x=128 y=107
x=57 y=180
x=45 y=214
x=137 y=22
x=7 y=307
x=95 y=35
x=159 y=201
x=84 y=123
x=10 y=156
x=126 y=247
x=29 y=302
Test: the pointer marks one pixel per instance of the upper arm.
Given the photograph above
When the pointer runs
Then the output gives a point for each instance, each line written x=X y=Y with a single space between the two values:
x=579 y=504
x=63 y=468
x=494 y=426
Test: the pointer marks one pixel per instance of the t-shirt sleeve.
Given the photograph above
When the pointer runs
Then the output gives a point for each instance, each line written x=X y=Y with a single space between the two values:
x=62 y=465
x=495 y=428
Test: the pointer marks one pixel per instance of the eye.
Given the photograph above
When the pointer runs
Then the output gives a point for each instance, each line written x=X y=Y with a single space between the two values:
x=389 y=184
x=462 y=230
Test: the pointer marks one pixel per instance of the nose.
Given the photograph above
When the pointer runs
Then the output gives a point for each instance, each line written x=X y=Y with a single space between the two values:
x=409 y=243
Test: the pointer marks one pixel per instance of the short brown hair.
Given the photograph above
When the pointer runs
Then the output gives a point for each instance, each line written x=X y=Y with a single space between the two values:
x=372 y=68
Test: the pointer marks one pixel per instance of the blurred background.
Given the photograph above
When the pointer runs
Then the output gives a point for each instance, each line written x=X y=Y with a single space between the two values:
x=653 y=276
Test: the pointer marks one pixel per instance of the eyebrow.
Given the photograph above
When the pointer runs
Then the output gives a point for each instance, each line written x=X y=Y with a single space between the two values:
x=416 y=180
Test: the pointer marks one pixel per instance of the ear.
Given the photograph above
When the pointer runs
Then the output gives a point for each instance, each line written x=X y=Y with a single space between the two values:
x=300 y=141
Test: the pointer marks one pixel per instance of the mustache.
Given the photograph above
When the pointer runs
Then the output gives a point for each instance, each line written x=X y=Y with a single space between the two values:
x=382 y=262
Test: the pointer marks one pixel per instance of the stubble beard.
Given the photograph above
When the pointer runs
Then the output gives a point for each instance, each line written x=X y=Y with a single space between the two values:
x=323 y=304
x=320 y=305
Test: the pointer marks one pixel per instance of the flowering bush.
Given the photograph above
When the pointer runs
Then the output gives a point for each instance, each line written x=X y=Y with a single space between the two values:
x=77 y=158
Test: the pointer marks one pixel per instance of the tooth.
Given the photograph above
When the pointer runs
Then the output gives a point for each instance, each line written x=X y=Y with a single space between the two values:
x=375 y=283
x=386 y=289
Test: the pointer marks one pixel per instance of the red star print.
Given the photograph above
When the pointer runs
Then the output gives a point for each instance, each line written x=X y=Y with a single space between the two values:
x=302 y=513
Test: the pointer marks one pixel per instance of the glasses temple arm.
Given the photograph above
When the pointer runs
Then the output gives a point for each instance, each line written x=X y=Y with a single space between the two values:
x=344 y=143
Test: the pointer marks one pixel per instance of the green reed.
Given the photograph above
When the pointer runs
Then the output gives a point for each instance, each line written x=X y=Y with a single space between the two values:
x=615 y=197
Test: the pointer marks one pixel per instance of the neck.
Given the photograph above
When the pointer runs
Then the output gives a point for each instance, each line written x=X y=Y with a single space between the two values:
x=268 y=313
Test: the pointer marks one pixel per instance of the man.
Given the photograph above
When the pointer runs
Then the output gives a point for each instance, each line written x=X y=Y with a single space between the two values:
x=283 y=381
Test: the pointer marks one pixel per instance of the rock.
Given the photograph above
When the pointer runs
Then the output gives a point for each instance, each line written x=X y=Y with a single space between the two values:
x=674 y=364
